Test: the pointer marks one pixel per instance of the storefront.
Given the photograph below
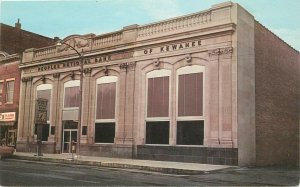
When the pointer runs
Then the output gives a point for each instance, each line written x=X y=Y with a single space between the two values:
x=8 y=128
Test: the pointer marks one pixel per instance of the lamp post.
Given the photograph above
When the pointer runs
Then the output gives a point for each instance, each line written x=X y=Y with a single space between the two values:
x=80 y=93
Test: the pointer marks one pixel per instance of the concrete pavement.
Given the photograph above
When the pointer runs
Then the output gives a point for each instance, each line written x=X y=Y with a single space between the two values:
x=148 y=165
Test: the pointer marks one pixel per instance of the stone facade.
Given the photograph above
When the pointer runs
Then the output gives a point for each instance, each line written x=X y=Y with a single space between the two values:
x=210 y=44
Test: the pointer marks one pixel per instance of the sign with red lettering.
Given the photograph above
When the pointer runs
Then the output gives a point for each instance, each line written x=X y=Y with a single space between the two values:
x=8 y=116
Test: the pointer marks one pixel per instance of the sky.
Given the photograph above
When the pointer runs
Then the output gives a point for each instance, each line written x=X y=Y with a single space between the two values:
x=64 y=18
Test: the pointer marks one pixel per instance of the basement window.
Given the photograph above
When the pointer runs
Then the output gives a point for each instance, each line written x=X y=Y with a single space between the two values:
x=104 y=132
x=157 y=132
x=190 y=132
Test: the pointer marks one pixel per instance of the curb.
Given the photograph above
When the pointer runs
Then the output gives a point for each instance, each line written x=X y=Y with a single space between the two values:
x=112 y=165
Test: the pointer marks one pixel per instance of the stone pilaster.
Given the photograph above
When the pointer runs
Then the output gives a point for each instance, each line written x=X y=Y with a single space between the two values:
x=221 y=110
x=126 y=104
x=86 y=121
x=27 y=110
x=55 y=110
x=21 y=122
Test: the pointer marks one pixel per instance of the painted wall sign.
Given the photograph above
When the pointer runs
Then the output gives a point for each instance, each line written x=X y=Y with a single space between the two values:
x=8 y=116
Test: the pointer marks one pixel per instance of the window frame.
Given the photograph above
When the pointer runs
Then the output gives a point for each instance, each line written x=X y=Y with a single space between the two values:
x=190 y=70
x=70 y=84
x=6 y=91
x=43 y=87
x=2 y=91
x=156 y=74
x=105 y=80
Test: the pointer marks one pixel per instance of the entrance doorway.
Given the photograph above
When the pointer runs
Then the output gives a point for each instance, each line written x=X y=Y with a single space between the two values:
x=69 y=135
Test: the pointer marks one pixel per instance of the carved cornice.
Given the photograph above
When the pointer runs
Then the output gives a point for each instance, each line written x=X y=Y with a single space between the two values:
x=220 y=51
x=27 y=79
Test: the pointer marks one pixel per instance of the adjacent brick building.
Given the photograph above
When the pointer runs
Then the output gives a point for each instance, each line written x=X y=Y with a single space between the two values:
x=211 y=87
x=14 y=41
x=277 y=97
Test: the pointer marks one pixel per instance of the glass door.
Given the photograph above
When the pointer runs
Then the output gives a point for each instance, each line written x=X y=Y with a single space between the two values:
x=69 y=136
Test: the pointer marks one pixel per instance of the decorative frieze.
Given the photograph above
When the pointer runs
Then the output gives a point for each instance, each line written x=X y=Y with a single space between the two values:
x=127 y=66
x=75 y=43
x=87 y=70
x=220 y=51
x=56 y=75
x=26 y=79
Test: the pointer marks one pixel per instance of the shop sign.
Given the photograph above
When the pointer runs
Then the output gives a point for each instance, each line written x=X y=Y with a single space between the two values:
x=8 y=116
x=41 y=111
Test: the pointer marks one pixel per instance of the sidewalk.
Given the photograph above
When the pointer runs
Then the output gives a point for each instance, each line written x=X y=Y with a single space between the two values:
x=148 y=165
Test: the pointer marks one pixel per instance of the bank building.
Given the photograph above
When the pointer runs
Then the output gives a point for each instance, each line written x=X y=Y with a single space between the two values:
x=212 y=87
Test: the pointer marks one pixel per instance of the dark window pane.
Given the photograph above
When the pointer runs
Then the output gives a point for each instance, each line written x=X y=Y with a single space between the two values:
x=68 y=124
x=157 y=132
x=52 y=130
x=158 y=97
x=190 y=95
x=42 y=131
x=190 y=132
x=84 y=130
x=104 y=132
x=106 y=101
x=67 y=136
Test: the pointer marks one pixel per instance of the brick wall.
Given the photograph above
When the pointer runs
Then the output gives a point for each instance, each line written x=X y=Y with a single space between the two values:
x=15 y=40
x=277 y=100
x=8 y=71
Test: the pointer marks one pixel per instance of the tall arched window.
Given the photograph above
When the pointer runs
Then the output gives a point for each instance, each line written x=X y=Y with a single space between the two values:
x=71 y=94
x=158 y=104
x=190 y=104
x=105 y=122
x=45 y=91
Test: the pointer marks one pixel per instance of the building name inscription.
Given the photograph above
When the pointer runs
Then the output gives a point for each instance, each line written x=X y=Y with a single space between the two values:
x=118 y=56
x=173 y=47
x=74 y=63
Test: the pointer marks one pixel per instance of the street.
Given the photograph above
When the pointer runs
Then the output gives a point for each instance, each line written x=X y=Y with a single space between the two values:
x=28 y=173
